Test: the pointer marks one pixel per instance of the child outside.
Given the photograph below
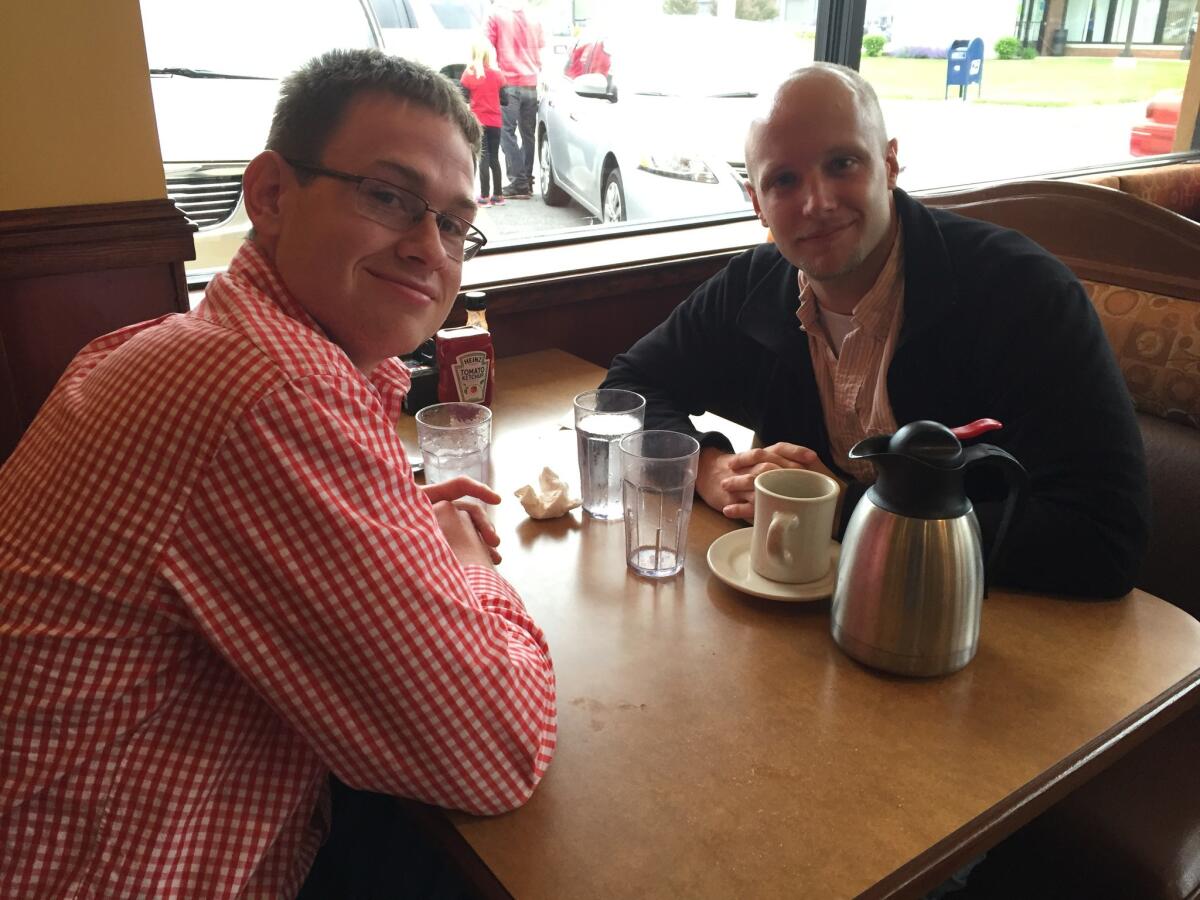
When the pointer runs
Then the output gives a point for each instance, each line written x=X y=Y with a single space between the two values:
x=484 y=82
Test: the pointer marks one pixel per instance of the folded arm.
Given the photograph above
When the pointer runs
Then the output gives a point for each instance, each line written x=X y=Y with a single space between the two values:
x=312 y=563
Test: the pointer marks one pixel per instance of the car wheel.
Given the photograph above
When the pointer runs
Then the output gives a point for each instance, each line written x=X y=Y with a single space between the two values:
x=552 y=194
x=614 y=197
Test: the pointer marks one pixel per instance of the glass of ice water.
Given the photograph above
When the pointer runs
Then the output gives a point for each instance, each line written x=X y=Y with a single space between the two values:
x=455 y=439
x=602 y=418
x=658 y=479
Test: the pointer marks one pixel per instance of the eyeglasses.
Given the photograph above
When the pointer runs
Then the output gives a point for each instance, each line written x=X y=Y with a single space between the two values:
x=400 y=209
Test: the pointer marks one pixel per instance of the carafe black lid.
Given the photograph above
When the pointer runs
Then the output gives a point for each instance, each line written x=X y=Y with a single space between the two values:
x=919 y=475
x=920 y=467
x=931 y=442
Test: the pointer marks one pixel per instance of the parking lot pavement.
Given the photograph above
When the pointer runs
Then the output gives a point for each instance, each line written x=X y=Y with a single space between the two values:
x=941 y=144
x=954 y=142
x=518 y=220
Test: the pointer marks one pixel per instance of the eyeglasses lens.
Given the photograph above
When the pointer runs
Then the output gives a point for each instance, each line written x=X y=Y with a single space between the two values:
x=401 y=210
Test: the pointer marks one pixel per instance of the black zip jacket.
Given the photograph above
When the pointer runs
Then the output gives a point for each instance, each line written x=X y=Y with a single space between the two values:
x=994 y=326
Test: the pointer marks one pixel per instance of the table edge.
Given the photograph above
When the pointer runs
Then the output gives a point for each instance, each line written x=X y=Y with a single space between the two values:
x=444 y=834
x=940 y=861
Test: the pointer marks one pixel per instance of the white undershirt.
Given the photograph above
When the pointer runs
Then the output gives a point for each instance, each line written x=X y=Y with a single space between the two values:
x=837 y=326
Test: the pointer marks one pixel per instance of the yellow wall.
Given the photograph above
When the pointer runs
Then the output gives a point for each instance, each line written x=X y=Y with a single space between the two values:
x=76 y=118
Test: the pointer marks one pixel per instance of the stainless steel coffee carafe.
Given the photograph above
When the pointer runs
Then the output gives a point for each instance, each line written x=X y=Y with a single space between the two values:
x=911 y=576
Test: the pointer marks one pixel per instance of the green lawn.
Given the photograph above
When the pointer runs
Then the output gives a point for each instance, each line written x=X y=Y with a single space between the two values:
x=1045 y=81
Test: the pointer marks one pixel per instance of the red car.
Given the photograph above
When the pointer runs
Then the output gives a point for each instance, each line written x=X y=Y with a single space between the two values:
x=1157 y=133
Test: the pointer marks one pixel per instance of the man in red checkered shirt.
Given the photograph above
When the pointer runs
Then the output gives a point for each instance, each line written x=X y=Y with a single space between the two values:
x=218 y=581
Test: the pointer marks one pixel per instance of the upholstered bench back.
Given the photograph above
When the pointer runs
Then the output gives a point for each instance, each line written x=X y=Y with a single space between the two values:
x=1156 y=340
x=1175 y=187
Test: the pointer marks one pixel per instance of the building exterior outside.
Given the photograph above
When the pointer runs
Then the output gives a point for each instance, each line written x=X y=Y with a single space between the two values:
x=1160 y=28
x=934 y=24
x=1053 y=27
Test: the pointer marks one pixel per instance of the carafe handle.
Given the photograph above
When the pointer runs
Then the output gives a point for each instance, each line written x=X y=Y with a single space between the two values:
x=1017 y=481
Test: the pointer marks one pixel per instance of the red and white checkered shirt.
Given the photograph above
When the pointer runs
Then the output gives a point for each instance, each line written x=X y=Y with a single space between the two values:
x=218 y=582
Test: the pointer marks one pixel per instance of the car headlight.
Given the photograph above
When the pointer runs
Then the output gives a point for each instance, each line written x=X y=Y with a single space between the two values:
x=678 y=165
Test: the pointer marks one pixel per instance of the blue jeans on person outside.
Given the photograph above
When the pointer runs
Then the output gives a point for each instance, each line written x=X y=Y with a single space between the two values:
x=520 y=113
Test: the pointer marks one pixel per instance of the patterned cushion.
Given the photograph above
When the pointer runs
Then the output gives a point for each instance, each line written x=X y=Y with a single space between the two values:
x=1157 y=343
x=1175 y=187
x=1107 y=179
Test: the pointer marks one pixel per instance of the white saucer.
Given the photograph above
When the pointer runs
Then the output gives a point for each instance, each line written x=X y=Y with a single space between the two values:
x=729 y=559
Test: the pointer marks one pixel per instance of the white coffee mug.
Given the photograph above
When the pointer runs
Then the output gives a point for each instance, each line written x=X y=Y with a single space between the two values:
x=793 y=522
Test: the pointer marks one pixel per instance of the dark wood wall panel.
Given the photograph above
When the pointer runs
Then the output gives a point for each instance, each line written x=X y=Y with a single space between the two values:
x=70 y=274
x=46 y=320
x=11 y=422
x=596 y=315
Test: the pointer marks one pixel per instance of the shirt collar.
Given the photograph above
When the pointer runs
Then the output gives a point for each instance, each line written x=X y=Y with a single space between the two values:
x=251 y=266
x=391 y=379
x=873 y=313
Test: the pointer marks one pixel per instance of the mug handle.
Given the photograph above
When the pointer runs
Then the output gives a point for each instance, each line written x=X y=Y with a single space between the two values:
x=780 y=523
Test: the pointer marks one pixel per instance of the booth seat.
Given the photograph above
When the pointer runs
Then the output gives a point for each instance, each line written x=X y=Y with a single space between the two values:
x=1134 y=830
x=1175 y=186
x=1156 y=338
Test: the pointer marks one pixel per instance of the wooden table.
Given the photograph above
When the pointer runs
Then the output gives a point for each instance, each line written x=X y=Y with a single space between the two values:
x=712 y=744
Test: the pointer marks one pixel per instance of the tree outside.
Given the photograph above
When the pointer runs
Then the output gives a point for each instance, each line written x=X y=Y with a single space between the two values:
x=754 y=10
x=757 y=10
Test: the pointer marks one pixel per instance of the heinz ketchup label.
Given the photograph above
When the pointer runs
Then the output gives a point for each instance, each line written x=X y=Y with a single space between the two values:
x=466 y=362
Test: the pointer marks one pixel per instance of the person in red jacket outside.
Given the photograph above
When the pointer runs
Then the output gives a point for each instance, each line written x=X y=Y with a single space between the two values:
x=484 y=81
x=518 y=40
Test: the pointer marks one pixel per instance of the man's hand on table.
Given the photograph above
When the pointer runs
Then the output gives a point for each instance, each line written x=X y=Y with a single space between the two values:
x=725 y=481
x=463 y=521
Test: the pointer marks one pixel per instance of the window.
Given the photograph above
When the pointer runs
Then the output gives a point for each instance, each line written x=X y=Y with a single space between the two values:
x=230 y=37
x=1107 y=21
x=1033 y=114
x=391 y=13
x=644 y=121
x=459 y=15
x=642 y=114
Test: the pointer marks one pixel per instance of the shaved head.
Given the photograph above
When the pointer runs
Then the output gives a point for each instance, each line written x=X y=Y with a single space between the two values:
x=821 y=173
x=839 y=85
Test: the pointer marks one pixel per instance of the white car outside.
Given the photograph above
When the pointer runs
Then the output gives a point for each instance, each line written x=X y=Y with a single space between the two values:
x=648 y=123
x=215 y=67
x=438 y=33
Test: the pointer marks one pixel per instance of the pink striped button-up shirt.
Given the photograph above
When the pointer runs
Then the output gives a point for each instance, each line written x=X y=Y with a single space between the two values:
x=218 y=582
x=852 y=379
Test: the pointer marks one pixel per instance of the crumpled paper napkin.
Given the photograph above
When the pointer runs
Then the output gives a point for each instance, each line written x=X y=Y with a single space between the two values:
x=550 y=500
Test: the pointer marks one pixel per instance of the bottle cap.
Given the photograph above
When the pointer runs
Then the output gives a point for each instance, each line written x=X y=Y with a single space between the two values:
x=475 y=300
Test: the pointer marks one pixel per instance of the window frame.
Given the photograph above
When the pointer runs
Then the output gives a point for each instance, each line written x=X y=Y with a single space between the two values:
x=839 y=33
x=547 y=258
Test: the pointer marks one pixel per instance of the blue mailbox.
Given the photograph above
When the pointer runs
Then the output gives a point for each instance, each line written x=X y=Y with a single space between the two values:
x=964 y=66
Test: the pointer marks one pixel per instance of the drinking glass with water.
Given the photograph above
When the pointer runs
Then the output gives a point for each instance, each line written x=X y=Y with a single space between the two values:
x=658 y=481
x=455 y=439
x=602 y=418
